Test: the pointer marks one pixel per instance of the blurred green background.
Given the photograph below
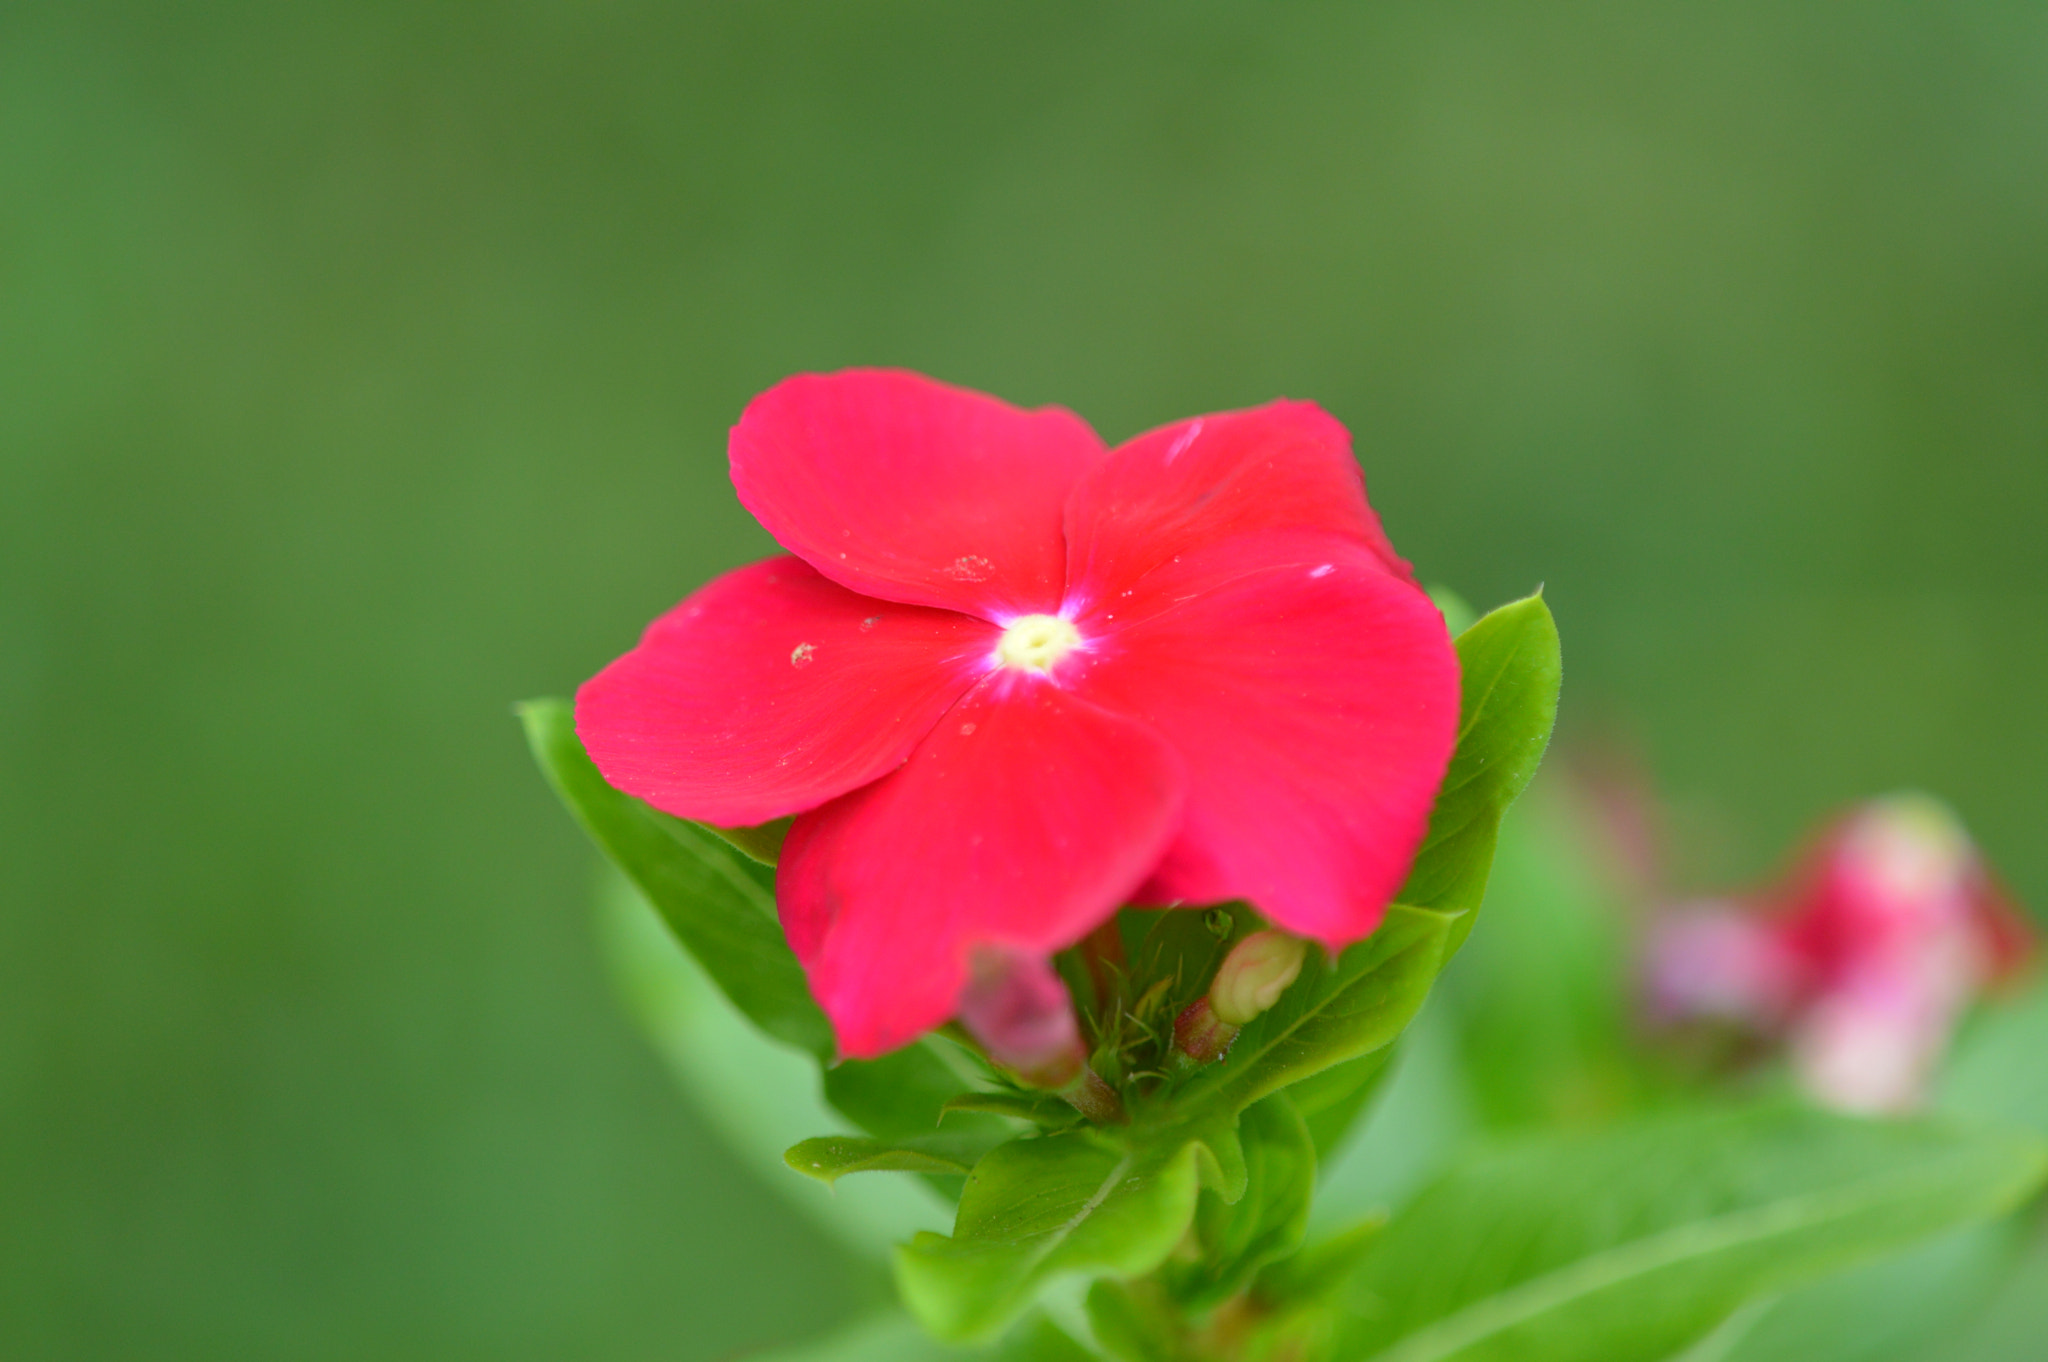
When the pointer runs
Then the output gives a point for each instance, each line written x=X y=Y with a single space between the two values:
x=365 y=368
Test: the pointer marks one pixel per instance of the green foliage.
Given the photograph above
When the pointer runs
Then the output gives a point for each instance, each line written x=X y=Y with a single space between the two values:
x=1549 y=1044
x=1630 y=1245
x=1237 y=1238
x=908 y=1091
x=1511 y=675
x=829 y=1158
x=1331 y=1102
x=762 y=842
x=709 y=895
x=1077 y=1200
x=2000 y=1067
x=1335 y=1012
x=1075 y=1203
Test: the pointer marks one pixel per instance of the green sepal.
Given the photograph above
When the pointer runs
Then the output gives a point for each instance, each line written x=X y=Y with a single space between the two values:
x=714 y=899
x=1337 y=1011
x=829 y=1158
x=1633 y=1244
x=1511 y=671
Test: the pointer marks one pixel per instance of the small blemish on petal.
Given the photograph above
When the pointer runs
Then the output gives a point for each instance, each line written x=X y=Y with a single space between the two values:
x=870 y=622
x=967 y=730
x=1323 y=571
x=1185 y=438
x=801 y=655
x=971 y=567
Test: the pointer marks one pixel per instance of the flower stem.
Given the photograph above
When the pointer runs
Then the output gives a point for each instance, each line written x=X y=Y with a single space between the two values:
x=1095 y=1099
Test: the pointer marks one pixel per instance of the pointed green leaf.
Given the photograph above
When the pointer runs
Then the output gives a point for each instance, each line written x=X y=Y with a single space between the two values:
x=1511 y=673
x=1035 y=1210
x=709 y=894
x=1266 y=1222
x=829 y=1158
x=1633 y=1244
x=1335 y=1012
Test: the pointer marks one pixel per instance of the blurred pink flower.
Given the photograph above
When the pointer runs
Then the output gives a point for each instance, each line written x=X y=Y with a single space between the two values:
x=1861 y=963
x=1012 y=679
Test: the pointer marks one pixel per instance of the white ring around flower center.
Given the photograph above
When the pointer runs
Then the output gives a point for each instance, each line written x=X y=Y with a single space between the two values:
x=1036 y=643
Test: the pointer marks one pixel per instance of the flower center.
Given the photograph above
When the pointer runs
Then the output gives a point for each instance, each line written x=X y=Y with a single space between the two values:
x=1036 y=643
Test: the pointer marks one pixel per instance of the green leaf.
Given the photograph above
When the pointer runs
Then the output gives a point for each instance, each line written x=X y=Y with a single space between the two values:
x=707 y=893
x=1631 y=1245
x=1889 y=1309
x=1997 y=1070
x=759 y=1095
x=829 y=1158
x=1266 y=1222
x=762 y=842
x=905 y=1092
x=1543 y=998
x=1039 y=1109
x=1511 y=673
x=1332 y=1101
x=1135 y=1321
x=1321 y=1270
x=1076 y=1203
x=1335 y=1012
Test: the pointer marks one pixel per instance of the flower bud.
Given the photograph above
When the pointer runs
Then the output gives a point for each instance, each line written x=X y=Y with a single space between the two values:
x=1020 y=1011
x=1255 y=974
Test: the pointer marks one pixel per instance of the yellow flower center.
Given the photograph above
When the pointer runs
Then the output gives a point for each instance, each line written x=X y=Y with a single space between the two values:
x=1036 y=643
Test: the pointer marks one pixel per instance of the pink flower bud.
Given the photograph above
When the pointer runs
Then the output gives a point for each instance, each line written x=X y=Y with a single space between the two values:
x=1257 y=971
x=1020 y=1011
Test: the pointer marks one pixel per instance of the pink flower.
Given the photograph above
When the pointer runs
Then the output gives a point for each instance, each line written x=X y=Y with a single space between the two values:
x=1862 y=963
x=1012 y=680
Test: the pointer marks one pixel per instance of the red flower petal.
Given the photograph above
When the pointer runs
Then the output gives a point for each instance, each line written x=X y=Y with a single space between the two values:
x=907 y=489
x=771 y=691
x=1314 y=698
x=1183 y=487
x=1024 y=820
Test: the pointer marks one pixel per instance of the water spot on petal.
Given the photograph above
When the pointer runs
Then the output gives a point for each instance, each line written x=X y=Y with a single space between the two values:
x=967 y=730
x=870 y=622
x=970 y=567
x=801 y=655
x=1323 y=571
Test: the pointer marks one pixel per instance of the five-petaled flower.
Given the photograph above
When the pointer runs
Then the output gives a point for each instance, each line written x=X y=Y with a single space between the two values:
x=1012 y=679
